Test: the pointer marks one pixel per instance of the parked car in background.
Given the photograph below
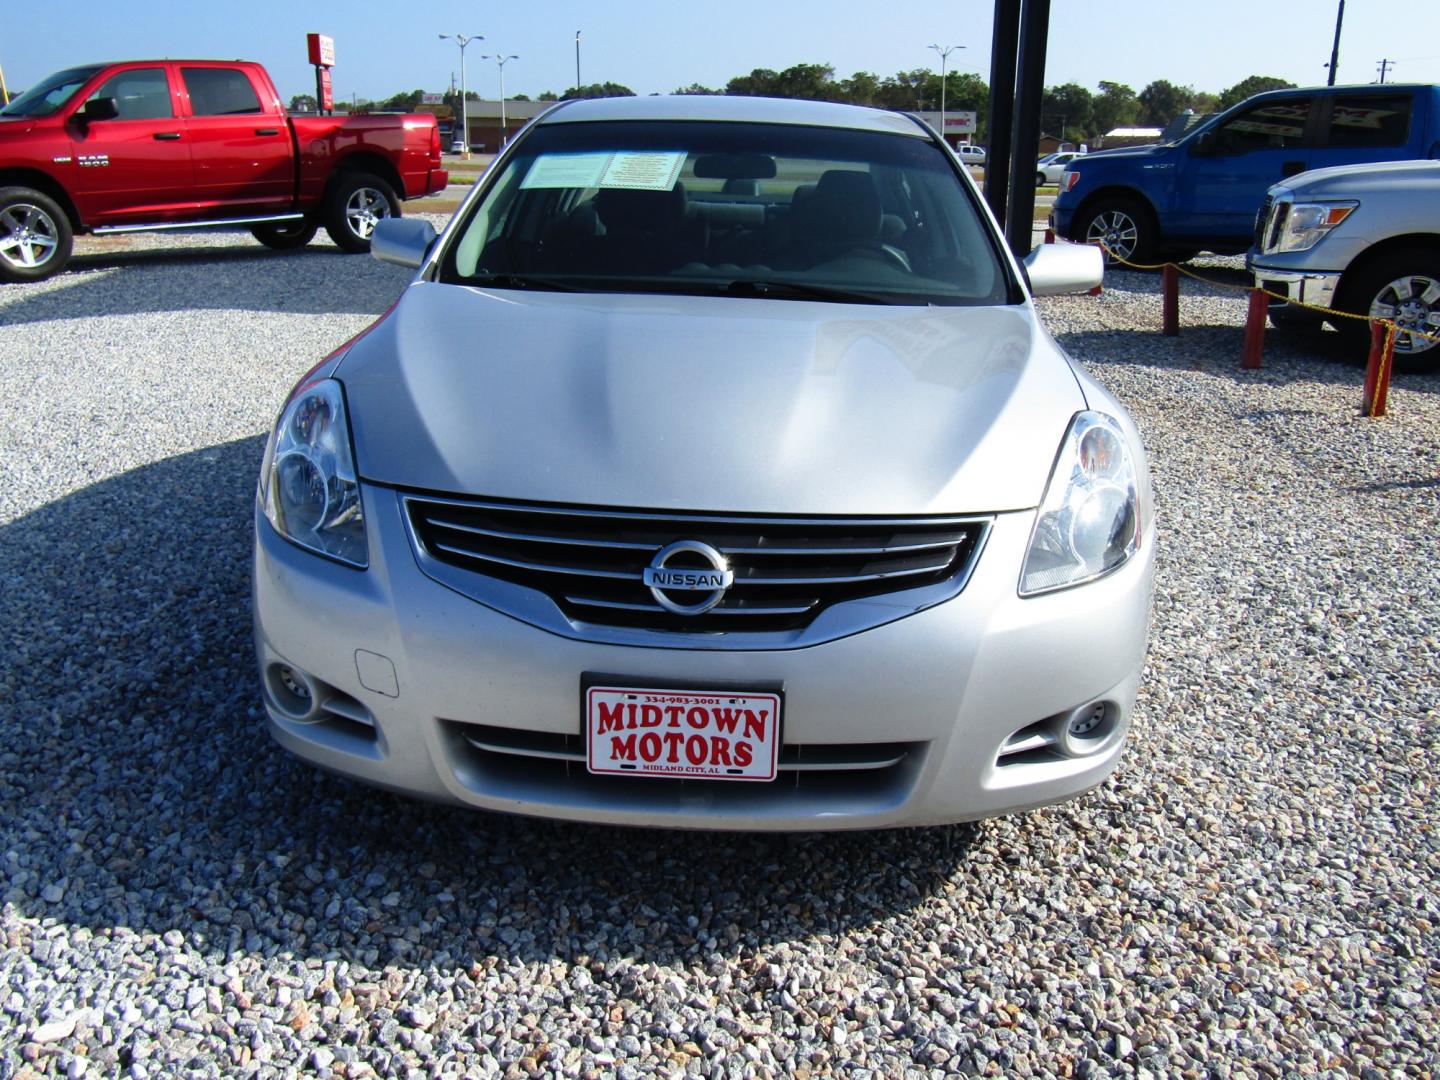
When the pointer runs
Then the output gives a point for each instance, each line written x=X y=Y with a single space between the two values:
x=459 y=147
x=1201 y=192
x=971 y=154
x=715 y=471
x=1363 y=239
x=163 y=144
x=1050 y=167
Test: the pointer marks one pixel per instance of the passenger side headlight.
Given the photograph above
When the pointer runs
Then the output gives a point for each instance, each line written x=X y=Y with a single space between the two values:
x=1089 y=520
x=308 y=485
x=1307 y=223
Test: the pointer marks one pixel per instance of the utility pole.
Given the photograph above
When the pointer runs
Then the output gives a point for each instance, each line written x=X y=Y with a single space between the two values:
x=1384 y=66
x=1335 y=49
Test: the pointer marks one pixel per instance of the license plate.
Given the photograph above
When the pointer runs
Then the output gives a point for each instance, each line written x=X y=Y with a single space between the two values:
x=681 y=733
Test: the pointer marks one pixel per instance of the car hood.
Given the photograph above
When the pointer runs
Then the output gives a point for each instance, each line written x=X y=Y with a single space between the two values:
x=709 y=403
x=1404 y=178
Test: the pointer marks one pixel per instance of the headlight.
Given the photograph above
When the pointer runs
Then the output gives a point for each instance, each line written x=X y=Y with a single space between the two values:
x=1089 y=521
x=1307 y=223
x=307 y=479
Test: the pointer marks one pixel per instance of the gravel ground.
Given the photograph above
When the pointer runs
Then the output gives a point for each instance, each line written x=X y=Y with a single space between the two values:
x=1254 y=892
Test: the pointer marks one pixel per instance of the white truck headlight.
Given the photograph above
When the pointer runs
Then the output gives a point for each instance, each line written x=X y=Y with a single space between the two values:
x=1307 y=223
x=1089 y=520
x=308 y=485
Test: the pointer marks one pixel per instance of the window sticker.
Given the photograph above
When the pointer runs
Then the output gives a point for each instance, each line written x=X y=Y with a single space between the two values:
x=636 y=170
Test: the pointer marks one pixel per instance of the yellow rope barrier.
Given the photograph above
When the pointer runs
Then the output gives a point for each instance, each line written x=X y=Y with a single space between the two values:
x=1392 y=327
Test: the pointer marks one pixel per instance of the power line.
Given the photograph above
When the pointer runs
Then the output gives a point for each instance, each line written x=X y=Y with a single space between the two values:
x=1383 y=66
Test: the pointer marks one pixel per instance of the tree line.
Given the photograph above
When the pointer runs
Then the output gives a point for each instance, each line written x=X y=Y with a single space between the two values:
x=1070 y=111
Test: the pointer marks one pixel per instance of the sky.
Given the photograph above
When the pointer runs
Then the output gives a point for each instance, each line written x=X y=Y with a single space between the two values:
x=655 y=46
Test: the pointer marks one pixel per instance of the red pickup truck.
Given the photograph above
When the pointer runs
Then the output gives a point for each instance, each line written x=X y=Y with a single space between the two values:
x=165 y=144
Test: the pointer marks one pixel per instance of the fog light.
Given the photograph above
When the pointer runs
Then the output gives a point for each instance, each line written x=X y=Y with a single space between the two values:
x=1088 y=728
x=291 y=691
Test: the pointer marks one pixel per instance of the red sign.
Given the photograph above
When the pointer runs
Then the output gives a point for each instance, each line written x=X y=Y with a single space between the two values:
x=322 y=49
x=699 y=734
x=327 y=95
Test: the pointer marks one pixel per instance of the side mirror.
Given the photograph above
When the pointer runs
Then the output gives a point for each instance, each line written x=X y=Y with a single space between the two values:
x=100 y=108
x=402 y=241
x=1056 y=269
x=1204 y=144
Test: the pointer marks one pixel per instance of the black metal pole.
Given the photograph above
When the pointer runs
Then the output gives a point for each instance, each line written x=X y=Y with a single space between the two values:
x=1335 y=49
x=1029 y=95
x=1003 y=43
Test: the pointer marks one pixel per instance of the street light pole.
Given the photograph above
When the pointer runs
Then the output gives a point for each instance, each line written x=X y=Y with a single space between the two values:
x=944 y=56
x=577 y=61
x=462 y=40
x=1335 y=49
x=501 y=61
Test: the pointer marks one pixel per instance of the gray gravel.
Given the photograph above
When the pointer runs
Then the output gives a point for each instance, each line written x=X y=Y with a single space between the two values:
x=1254 y=892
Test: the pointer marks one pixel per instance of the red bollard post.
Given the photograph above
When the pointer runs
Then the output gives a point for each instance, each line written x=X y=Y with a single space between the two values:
x=1049 y=236
x=1170 y=300
x=1377 y=371
x=1255 y=330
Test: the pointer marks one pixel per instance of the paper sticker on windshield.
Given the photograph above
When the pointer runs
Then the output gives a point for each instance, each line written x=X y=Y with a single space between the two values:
x=638 y=170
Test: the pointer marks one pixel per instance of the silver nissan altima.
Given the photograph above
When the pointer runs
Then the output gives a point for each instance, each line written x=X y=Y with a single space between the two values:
x=714 y=471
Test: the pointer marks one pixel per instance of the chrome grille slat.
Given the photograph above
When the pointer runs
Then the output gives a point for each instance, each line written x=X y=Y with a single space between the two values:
x=540 y=568
x=590 y=561
x=793 y=758
x=620 y=605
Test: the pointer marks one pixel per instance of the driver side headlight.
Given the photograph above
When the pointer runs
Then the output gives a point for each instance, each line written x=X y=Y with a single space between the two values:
x=1089 y=520
x=1307 y=224
x=308 y=485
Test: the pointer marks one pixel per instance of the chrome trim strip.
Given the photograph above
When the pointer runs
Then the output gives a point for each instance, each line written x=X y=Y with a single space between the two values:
x=537 y=538
x=102 y=230
x=698 y=517
x=626 y=545
x=340 y=707
x=655 y=609
x=537 y=567
x=1032 y=742
x=576 y=757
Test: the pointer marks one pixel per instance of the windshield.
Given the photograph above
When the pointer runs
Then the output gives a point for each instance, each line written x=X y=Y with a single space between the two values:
x=725 y=208
x=47 y=96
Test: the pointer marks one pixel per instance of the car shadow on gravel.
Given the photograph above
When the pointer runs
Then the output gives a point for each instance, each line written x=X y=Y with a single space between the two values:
x=316 y=280
x=143 y=791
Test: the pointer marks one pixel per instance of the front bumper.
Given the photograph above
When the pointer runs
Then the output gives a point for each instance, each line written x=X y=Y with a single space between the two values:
x=410 y=672
x=1312 y=288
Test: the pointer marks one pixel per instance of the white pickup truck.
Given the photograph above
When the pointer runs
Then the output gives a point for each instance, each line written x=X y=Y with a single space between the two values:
x=1363 y=239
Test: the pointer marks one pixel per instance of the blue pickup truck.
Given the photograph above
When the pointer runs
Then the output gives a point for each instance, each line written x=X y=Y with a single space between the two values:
x=1148 y=203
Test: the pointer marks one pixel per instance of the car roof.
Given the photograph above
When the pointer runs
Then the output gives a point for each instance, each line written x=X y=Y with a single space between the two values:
x=744 y=109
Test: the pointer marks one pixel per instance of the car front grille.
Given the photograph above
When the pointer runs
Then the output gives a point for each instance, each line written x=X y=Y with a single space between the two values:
x=590 y=561
x=1262 y=219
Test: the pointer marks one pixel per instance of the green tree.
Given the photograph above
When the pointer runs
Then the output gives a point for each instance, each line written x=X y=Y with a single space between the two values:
x=304 y=103
x=1162 y=101
x=860 y=88
x=1115 y=106
x=597 y=90
x=1255 y=84
x=403 y=101
x=761 y=82
x=548 y=95
x=909 y=90
x=1066 y=109
x=696 y=90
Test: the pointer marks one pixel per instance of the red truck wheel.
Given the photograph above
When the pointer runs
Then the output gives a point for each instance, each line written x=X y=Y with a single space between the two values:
x=284 y=235
x=35 y=236
x=357 y=201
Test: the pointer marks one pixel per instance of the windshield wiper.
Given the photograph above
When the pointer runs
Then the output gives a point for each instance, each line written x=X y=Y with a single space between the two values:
x=523 y=281
x=804 y=290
